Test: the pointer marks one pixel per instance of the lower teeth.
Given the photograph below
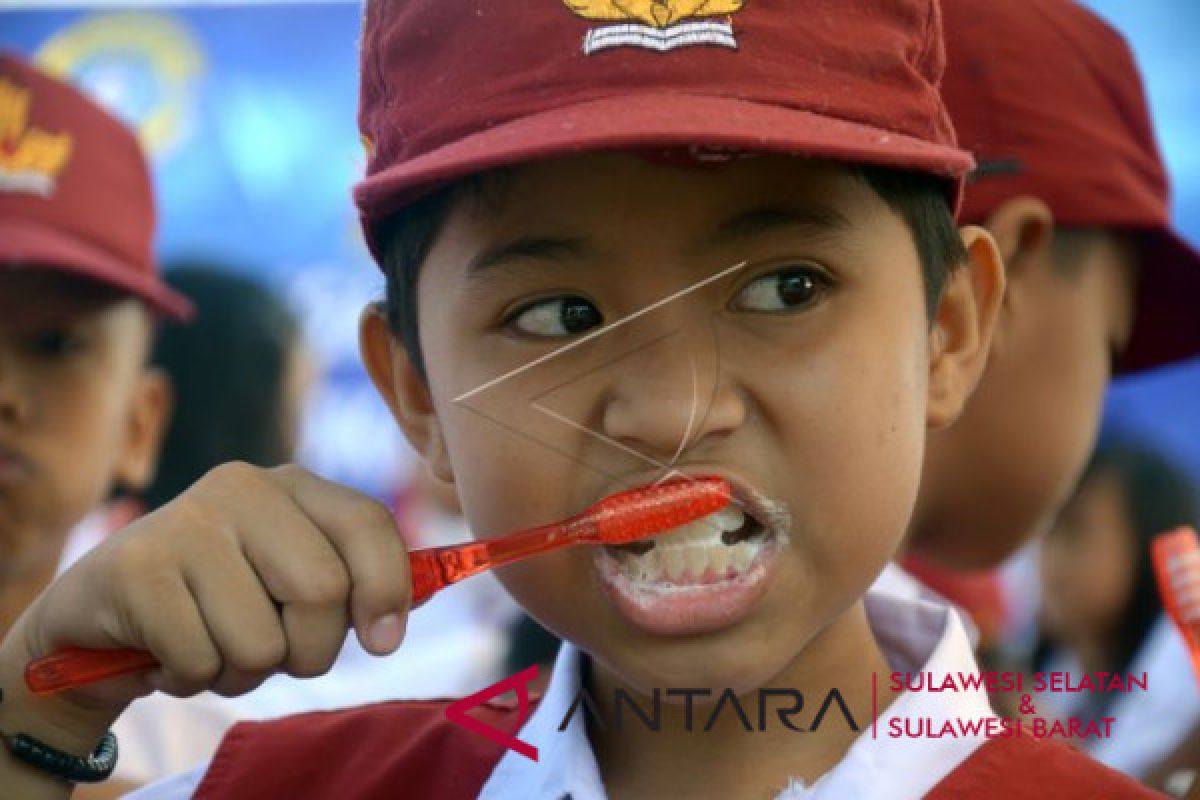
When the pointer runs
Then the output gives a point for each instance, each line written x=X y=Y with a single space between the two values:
x=690 y=563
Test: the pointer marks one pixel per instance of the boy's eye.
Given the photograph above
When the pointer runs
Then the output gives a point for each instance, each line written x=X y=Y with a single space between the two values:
x=56 y=343
x=556 y=316
x=784 y=290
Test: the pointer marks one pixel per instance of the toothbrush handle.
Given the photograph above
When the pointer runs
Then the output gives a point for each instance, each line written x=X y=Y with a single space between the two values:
x=434 y=568
x=77 y=666
x=428 y=576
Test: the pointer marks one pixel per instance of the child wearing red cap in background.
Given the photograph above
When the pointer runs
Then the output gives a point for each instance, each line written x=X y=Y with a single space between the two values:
x=1070 y=183
x=80 y=410
x=620 y=242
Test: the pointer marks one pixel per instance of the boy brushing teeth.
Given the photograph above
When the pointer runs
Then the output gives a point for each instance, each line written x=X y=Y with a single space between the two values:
x=712 y=239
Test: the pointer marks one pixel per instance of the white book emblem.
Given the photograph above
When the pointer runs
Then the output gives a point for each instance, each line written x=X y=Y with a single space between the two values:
x=683 y=34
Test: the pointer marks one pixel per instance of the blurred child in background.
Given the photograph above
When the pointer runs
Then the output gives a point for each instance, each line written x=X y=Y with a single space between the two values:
x=1070 y=182
x=239 y=374
x=1101 y=609
x=81 y=410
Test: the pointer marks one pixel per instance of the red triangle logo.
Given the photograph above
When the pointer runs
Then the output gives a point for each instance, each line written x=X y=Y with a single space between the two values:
x=456 y=712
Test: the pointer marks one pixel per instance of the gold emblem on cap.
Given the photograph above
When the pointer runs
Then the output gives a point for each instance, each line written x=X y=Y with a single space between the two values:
x=30 y=159
x=657 y=24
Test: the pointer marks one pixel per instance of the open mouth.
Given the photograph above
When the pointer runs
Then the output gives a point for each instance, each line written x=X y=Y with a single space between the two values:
x=699 y=577
x=719 y=547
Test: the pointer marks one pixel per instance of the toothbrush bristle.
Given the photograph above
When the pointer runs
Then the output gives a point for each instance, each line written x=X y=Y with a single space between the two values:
x=646 y=511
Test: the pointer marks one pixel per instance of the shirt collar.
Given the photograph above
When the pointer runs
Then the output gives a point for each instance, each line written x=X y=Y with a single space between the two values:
x=916 y=635
x=566 y=765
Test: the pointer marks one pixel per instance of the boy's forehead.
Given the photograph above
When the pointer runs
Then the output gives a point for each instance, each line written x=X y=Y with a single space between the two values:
x=594 y=194
x=41 y=295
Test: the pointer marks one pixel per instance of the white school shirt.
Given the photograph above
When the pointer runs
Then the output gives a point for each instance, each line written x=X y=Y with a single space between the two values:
x=915 y=634
x=897 y=581
x=1149 y=724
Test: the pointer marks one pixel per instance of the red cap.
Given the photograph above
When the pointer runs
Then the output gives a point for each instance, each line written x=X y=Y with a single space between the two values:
x=75 y=192
x=453 y=87
x=1049 y=99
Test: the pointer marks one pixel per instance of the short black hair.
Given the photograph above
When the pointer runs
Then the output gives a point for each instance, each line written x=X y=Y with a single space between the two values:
x=406 y=236
x=228 y=369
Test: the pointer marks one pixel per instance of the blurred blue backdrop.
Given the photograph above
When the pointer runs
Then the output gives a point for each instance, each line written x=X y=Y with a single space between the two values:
x=249 y=113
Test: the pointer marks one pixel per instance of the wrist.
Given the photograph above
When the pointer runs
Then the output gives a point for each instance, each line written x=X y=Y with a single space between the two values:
x=58 y=720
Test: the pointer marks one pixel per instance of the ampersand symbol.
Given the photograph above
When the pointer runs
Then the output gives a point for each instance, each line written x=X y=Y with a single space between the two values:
x=1027 y=704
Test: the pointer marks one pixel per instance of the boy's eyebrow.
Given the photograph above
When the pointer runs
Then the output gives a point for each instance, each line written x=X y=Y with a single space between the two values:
x=537 y=247
x=811 y=220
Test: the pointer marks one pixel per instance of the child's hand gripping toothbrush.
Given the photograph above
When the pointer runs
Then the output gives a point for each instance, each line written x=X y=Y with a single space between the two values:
x=619 y=519
x=1177 y=565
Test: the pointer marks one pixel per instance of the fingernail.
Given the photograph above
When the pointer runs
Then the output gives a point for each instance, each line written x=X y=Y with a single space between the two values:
x=385 y=633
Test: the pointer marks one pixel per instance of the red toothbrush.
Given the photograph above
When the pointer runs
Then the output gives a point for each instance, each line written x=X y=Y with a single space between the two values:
x=619 y=519
x=1177 y=565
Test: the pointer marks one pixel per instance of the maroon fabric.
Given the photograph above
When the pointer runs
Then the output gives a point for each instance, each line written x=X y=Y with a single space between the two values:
x=409 y=749
x=1049 y=100
x=452 y=88
x=1025 y=768
x=75 y=191
x=393 y=749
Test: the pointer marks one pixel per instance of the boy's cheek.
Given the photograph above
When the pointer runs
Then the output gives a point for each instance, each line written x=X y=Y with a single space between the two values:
x=520 y=461
x=1037 y=413
x=77 y=437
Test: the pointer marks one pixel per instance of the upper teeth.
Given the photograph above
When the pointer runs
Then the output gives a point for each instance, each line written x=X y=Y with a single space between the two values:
x=704 y=530
x=729 y=518
x=689 y=553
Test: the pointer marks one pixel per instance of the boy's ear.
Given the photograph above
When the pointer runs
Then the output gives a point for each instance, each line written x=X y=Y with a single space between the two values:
x=1023 y=228
x=403 y=389
x=146 y=423
x=960 y=338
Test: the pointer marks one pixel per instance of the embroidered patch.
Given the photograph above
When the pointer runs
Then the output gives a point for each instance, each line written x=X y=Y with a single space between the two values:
x=658 y=25
x=30 y=159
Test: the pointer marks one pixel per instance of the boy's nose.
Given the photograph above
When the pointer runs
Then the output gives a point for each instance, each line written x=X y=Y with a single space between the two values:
x=670 y=397
x=15 y=404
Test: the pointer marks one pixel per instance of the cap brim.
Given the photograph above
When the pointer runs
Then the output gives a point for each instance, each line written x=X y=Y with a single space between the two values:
x=1167 y=321
x=657 y=120
x=28 y=243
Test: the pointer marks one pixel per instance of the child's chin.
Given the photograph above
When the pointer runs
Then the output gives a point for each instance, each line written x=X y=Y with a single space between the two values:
x=706 y=604
x=644 y=674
